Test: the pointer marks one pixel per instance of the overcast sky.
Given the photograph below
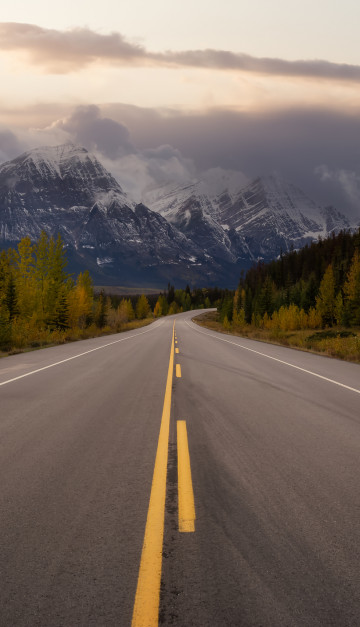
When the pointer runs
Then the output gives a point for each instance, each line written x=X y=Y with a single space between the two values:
x=169 y=91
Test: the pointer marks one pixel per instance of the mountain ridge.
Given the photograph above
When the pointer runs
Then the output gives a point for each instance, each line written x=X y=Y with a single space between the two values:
x=186 y=235
x=262 y=218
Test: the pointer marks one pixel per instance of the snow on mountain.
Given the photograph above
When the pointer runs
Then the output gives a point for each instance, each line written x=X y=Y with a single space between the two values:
x=256 y=221
x=273 y=215
x=65 y=189
x=189 y=234
x=196 y=215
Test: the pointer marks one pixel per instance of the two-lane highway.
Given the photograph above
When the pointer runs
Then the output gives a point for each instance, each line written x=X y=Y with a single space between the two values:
x=77 y=448
x=273 y=439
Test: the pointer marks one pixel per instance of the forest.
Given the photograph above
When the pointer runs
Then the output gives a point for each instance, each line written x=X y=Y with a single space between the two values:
x=42 y=304
x=315 y=287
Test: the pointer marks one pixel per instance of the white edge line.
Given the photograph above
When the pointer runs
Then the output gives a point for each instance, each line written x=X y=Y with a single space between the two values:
x=123 y=339
x=314 y=374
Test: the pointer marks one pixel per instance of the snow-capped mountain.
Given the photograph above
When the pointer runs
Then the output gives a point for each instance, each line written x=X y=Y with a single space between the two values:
x=257 y=221
x=274 y=215
x=187 y=235
x=195 y=213
x=65 y=189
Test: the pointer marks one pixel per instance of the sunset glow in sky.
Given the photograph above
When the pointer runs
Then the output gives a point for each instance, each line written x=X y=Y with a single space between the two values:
x=225 y=86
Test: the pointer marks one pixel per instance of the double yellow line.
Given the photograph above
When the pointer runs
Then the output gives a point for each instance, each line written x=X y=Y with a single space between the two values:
x=147 y=598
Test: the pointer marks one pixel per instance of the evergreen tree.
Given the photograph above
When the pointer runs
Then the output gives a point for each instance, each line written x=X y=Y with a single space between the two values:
x=61 y=314
x=25 y=278
x=265 y=300
x=41 y=273
x=11 y=298
x=170 y=294
x=100 y=310
x=5 y=328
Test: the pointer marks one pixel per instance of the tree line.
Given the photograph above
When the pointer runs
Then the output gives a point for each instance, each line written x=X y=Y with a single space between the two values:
x=40 y=302
x=315 y=287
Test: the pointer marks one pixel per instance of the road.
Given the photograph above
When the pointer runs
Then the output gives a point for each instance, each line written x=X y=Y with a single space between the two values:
x=274 y=446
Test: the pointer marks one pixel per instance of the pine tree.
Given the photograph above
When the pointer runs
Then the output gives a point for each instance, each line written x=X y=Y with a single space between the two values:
x=41 y=273
x=100 y=310
x=11 y=298
x=339 y=308
x=25 y=278
x=56 y=278
x=265 y=301
x=170 y=293
x=5 y=328
x=61 y=318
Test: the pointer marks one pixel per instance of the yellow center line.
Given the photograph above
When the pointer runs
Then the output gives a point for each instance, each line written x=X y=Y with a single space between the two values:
x=147 y=598
x=176 y=350
x=185 y=489
x=178 y=370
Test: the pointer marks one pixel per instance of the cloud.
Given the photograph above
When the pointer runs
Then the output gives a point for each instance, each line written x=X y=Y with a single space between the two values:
x=10 y=146
x=145 y=170
x=226 y=60
x=88 y=127
x=348 y=180
x=137 y=169
x=66 y=51
x=166 y=164
x=147 y=147
x=292 y=142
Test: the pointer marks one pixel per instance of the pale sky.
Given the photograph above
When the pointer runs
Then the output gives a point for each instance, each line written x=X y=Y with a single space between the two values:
x=289 y=29
x=176 y=60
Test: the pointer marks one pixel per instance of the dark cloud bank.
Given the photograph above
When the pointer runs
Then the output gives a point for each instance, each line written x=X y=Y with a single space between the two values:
x=317 y=150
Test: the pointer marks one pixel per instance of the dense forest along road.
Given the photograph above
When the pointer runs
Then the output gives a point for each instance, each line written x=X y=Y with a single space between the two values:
x=261 y=521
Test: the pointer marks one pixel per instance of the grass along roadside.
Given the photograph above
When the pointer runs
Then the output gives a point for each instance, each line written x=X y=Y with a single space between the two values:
x=338 y=342
x=47 y=338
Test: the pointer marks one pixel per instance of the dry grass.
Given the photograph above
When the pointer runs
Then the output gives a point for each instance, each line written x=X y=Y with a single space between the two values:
x=55 y=338
x=337 y=342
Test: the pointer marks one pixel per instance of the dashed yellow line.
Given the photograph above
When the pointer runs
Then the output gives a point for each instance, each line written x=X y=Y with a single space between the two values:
x=186 y=503
x=178 y=370
x=176 y=350
x=147 y=598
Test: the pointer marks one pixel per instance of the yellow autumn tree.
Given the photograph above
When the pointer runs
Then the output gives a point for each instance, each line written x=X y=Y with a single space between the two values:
x=325 y=301
x=142 y=307
x=80 y=302
x=157 y=310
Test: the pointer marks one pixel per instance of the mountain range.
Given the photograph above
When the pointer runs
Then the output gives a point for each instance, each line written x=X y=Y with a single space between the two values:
x=182 y=234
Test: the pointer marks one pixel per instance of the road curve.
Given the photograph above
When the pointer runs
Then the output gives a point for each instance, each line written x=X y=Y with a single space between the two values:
x=274 y=444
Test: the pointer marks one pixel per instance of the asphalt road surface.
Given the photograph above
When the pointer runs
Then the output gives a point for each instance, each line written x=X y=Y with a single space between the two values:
x=274 y=447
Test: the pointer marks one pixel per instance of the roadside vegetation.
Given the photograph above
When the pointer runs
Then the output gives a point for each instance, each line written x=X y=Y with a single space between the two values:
x=308 y=299
x=42 y=305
